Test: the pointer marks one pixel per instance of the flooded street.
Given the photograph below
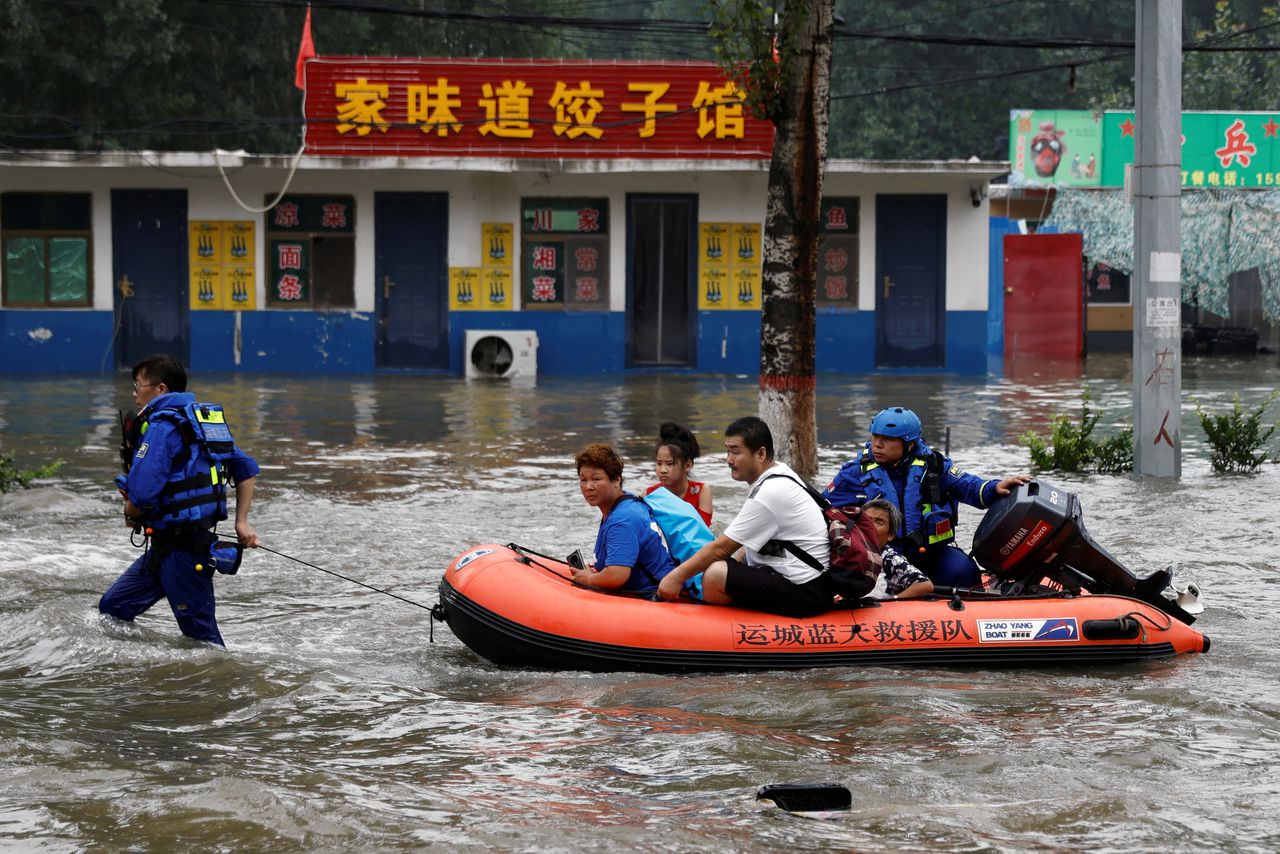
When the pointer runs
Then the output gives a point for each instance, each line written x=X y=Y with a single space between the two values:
x=332 y=723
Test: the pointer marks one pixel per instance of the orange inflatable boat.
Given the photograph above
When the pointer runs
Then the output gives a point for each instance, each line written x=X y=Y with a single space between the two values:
x=518 y=608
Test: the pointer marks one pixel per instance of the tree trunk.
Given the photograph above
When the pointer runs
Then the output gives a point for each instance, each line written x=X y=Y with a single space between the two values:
x=787 y=327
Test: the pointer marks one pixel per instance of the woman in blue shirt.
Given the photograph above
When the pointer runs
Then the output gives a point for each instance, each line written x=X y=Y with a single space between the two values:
x=630 y=552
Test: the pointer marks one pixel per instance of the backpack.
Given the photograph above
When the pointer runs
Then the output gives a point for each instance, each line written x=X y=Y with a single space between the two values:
x=682 y=528
x=854 y=563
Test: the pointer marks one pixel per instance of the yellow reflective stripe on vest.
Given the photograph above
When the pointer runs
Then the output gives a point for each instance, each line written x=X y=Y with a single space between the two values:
x=210 y=416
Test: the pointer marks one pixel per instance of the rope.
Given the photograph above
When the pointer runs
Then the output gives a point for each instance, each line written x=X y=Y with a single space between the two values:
x=524 y=553
x=427 y=608
x=1139 y=615
x=250 y=208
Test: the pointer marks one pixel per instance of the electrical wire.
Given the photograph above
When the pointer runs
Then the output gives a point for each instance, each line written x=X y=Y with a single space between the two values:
x=288 y=180
x=641 y=34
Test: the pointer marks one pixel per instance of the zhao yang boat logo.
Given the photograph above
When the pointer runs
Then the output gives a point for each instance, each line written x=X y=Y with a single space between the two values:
x=1013 y=631
x=470 y=556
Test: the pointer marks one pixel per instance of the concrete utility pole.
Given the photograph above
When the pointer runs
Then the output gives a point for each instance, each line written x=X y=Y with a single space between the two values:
x=1157 y=241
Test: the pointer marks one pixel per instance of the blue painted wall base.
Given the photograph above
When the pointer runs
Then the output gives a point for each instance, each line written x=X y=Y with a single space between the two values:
x=37 y=341
x=570 y=343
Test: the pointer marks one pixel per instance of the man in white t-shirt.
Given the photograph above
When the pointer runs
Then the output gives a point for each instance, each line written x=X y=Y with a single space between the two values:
x=766 y=577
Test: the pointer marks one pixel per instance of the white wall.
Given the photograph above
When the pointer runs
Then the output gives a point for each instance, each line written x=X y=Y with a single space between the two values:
x=967 y=246
x=478 y=197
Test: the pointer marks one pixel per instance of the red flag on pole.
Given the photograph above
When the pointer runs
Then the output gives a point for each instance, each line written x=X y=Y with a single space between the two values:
x=306 y=50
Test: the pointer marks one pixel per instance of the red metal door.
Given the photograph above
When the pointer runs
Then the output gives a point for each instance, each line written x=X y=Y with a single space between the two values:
x=1043 y=299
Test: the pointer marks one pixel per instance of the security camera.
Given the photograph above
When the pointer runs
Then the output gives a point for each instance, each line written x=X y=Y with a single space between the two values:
x=976 y=194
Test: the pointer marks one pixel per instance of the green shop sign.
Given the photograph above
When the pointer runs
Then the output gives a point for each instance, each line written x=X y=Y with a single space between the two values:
x=1079 y=148
x=1219 y=150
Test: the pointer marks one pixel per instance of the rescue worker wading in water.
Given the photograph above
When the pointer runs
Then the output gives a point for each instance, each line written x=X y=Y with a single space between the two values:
x=897 y=465
x=179 y=456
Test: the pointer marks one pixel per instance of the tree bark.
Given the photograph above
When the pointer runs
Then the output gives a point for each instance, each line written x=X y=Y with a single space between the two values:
x=787 y=327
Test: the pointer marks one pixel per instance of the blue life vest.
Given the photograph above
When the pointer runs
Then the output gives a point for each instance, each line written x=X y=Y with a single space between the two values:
x=196 y=492
x=923 y=523
x=682 y=526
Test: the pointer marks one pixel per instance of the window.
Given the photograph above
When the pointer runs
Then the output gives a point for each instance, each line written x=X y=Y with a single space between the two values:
x=565 y=250
x=311 y=252
x=47 y=243
x=1105 y=285
x=838 y=254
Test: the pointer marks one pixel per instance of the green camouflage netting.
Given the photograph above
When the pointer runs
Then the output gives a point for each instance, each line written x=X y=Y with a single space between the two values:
x=1223 y=232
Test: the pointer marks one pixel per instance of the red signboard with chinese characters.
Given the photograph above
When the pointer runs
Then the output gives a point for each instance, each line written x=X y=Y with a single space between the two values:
x=369 y=107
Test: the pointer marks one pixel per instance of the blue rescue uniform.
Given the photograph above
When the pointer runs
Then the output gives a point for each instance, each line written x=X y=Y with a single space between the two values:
x=181 y=490
x=629 y=536
x=926 y=525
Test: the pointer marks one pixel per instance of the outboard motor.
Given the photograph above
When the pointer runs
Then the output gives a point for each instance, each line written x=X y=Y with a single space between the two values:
x=1037 y=532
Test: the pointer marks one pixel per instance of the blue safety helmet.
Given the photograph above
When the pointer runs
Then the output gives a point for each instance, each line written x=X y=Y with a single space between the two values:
x=897 y=423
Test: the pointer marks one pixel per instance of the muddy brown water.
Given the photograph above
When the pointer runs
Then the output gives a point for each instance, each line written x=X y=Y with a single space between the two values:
x=331 y=723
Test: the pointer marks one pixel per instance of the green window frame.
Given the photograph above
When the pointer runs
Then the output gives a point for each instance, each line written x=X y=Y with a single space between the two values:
x=46 y=250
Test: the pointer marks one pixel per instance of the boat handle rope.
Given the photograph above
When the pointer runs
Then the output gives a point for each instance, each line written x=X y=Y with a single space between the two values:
x=1138 y=616
x=525 y=551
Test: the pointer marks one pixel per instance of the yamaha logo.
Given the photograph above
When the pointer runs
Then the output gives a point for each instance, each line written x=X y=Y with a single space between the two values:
x=1017 y=538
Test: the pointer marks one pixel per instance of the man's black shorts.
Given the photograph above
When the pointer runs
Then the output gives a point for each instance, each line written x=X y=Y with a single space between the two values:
x=762 y=589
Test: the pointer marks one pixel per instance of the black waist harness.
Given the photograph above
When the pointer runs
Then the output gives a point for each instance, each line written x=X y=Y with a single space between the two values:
x=191 y=539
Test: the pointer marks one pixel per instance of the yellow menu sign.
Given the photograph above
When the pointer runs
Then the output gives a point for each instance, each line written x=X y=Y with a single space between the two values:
x=480 y=289
x=222 y=262
x=729 y=266
x=464 y=289
x=497 y=253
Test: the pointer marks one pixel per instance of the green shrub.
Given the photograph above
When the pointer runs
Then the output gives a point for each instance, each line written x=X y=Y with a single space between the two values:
x=1071 y=447
x=1237 y=440
x=11 y=476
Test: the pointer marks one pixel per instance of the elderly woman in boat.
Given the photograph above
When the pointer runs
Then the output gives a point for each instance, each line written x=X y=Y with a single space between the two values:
x=629 y=553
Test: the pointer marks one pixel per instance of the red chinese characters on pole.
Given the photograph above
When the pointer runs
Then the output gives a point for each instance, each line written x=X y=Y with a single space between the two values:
x=362 y=106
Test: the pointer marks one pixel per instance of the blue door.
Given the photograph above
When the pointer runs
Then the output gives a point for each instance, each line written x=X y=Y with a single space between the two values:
x=911 y=260
x=149 y=263
x=411 y=240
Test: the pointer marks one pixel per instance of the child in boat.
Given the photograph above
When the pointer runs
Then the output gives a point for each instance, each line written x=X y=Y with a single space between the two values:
x=629 y=553
x=677 y=449
x=900 y=577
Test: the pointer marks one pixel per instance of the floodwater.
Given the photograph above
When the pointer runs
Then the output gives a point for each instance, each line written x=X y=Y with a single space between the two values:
x=333 y=723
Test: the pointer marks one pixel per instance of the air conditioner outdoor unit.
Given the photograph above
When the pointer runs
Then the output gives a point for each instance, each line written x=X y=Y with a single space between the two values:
x=501 y=353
